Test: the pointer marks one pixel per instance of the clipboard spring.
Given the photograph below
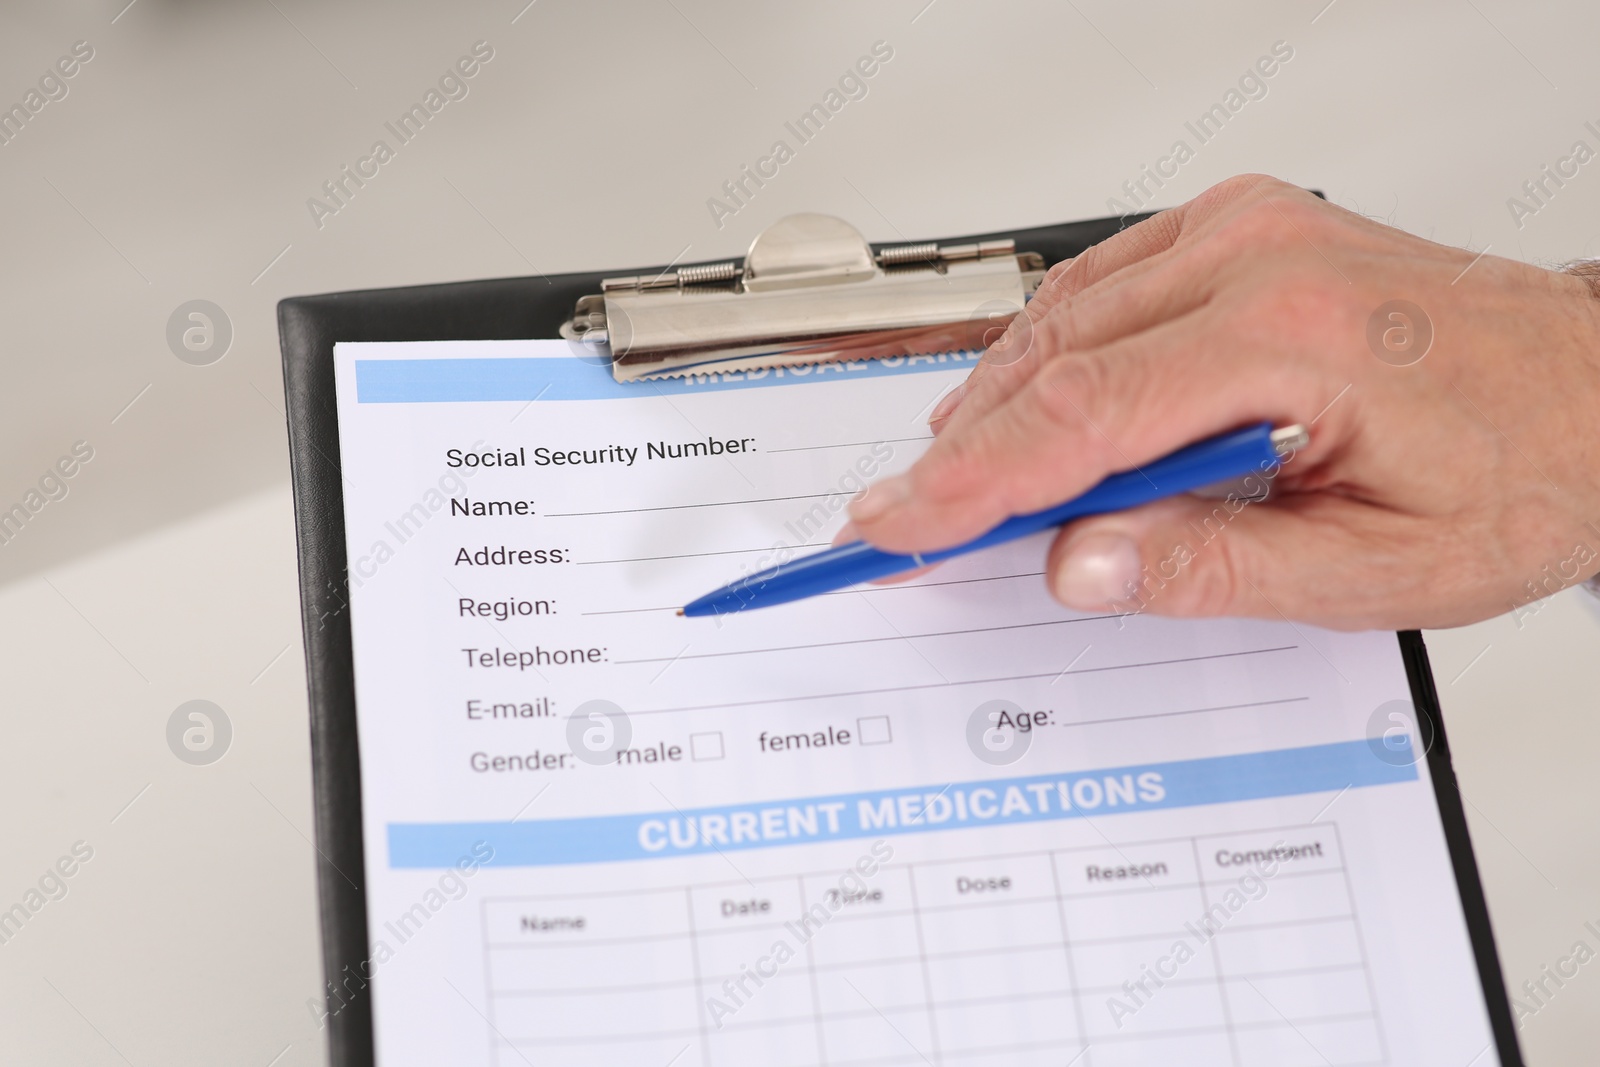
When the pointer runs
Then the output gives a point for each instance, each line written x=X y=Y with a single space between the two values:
x=810 y=290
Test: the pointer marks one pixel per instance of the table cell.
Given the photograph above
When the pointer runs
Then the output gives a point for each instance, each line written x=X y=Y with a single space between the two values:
x=761 y=951
x=887 y=985
x=593 y=917
x=850 y=895
x=679 y=1051
x=1003 y=924
x=1022 y=1022
x=1284 y=899
x=579 y=967
x=1117 y=869
x=775 y=1045
x=1135 y=912
x=1180 y=1005
x=984 y=881
x=1001 y=973
x=1309 y=1044
x=874 y=1035
x=1225 y=857
x=614 y=1013
x=1106 y=965
x=1273 y=998
x=1191 y=1050
x=741 y=1001
x=741 y=905
x=893 y=937
x=1045 y=1054
x=1253 y=952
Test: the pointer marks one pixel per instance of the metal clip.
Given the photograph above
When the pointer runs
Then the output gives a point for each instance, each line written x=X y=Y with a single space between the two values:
x=810 y=290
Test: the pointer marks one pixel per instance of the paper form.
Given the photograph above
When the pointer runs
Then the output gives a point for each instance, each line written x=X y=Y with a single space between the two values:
x=946 y=822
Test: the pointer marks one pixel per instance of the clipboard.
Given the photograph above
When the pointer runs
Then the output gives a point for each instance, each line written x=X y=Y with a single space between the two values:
x=539 y=307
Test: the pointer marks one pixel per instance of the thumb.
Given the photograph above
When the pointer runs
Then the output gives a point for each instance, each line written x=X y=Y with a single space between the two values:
x=1186 y=557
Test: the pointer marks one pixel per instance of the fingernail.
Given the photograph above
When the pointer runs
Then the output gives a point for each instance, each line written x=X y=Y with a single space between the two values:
x=846 y=534
x=1099 y=569
x=880 y=497
x=944 y=408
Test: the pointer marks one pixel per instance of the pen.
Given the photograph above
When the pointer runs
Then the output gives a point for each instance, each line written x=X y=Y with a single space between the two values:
x=1255 y=449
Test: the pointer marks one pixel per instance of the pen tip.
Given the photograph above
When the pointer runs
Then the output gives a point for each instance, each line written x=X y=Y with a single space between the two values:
x=680 y=611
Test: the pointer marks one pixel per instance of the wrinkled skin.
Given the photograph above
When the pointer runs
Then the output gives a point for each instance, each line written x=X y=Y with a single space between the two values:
x=1432 y=494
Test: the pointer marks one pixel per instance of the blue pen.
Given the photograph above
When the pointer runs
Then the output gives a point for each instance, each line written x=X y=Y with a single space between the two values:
x=1222 y=458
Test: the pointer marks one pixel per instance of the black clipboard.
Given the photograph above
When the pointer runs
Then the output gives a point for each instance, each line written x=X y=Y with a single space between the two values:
x=520 y=308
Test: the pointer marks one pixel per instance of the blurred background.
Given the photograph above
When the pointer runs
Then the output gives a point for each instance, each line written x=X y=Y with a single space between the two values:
x=179 y=162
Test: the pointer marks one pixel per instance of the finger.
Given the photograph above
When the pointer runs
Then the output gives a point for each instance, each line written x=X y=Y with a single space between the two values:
x=1143 y=239
x=1005 y=362
x=1109 y=409
x=1151 y=237
x=1314 y=557
x=1120 y=259
x=848 y=533
x=1013 y=358
x=1157 y=234
x=1135 y=299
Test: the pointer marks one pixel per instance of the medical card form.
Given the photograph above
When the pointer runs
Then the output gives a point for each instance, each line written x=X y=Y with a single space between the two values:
x=941 y=822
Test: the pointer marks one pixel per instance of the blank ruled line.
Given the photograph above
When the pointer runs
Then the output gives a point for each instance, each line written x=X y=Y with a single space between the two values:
x=687 y=555
x=682 y=507
x=848 y=444
x=918 y=1009
x=1190 y=711
x=632 y=611
x=518 y=1042
x=938 y=957
x=873 y=640
x=952 y=685
x=871 y=588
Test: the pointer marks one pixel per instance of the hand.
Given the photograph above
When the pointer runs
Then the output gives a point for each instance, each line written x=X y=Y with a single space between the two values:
x=1445 y=482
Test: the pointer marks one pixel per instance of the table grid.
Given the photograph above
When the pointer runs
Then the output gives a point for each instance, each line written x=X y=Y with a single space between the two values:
x=1198 y=949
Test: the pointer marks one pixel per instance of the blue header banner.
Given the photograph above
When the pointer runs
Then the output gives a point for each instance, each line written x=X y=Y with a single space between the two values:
x=924 y=809
x=432 y=381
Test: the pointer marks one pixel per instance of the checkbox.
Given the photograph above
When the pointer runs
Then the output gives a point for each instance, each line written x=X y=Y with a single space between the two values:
x=874 y=730
x=706 y=746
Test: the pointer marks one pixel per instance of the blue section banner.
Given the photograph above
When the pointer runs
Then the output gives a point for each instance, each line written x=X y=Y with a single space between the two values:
x=924 y=809
x=431 y=381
